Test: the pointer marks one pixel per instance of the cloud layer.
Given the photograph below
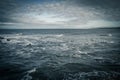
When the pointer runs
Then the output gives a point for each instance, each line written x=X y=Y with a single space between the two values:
x=59 y=14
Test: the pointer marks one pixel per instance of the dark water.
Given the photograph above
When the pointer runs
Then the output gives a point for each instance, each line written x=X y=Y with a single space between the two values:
x=60 y=54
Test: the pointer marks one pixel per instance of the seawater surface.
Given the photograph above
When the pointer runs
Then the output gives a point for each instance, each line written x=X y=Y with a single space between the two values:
x=60 y=54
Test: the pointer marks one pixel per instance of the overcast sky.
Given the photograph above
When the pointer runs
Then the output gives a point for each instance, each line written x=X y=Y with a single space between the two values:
x=46 y=14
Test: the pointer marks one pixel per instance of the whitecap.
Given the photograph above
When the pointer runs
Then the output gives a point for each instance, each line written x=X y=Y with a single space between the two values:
x=27 y=77
x=76 y=55
x=60 y=35
x=109 y=35
x=19 y=34
x=22 y=54
x=65 y=47
x=27 y=42
x=31 y=71
x=81 y=52
x=111 y=42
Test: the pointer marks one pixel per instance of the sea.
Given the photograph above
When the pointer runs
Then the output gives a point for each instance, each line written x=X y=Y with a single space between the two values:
x=60 y=54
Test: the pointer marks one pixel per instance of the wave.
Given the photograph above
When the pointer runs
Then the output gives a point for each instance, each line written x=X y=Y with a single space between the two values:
x=71 y=71
x=62 y=57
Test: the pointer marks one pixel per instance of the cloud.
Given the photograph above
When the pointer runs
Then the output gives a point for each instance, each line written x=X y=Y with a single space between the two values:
x=56 y=13
x=61 y=13
x=99 y=24
x=88 y=25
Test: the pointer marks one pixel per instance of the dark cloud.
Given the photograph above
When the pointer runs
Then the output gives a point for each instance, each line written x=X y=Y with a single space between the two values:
x=6 y=8
x=99 y=3
x=109 y=8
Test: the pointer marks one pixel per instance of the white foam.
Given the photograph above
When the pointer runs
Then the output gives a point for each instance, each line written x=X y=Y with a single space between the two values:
x=84 y=75
x=22 y=54
x=76 y=55
x=60 y=35
x=109 y=35
x=111 y=42
x=27 y=42
x=81 y=52
x=51 y=40
x=98 y=58
x=19 y=34
x=31 y=71
x=4 y=41
x=65 y=47
x=27 y=76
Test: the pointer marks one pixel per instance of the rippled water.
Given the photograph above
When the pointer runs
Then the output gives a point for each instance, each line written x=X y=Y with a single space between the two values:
x=60 y=54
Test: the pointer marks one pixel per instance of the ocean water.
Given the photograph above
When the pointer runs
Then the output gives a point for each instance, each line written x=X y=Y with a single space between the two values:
x=60 y=54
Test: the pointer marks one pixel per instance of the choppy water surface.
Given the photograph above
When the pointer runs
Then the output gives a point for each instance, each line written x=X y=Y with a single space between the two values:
x=60 y=54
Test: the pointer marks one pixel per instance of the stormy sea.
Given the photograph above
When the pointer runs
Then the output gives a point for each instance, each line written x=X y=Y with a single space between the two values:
x=60 y=54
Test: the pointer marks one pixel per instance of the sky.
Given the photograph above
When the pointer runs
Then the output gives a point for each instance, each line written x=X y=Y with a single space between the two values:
x=57 y=14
